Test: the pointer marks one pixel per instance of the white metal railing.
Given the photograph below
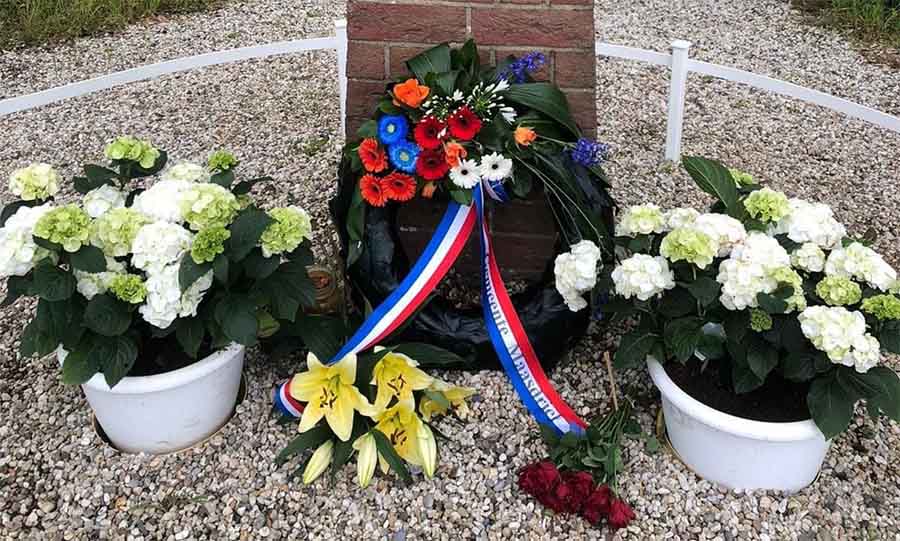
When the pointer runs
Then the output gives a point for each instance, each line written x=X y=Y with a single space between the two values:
x=338 y=42
x=680 y=64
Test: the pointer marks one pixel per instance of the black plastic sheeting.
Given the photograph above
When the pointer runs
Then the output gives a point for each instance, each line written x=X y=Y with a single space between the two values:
x=552 y=328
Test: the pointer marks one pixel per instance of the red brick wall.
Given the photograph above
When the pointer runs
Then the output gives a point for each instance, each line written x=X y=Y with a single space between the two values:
x=384 y=34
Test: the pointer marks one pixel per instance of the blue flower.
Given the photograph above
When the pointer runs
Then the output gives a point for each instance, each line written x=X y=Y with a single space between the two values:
x=403 y=156
x=392 y=129
x=589 y=153
x=517 y=71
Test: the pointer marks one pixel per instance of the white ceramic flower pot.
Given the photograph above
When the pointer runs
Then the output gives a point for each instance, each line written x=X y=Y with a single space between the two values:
x=171 y=411
x=738 y=453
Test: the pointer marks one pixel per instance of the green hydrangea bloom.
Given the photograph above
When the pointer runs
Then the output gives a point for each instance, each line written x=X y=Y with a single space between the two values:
x=129 y=288
x=741 y=178
x=244 y=200
x=132 y=149
x=34 y=183
x=208 y=244
x=222 y=160
x=686 y=244
x=882 y=307
x=114 y=231
x=767 y=205
x=208 y=205
x=291 y=226
x=839 y=291
x=760 y=321
x=787 y=275
x=68 y=226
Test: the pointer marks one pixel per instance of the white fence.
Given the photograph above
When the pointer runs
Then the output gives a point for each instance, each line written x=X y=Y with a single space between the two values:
x=678 y=62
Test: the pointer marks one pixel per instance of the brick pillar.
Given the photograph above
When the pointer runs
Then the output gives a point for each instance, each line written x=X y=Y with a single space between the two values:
x=384 y=34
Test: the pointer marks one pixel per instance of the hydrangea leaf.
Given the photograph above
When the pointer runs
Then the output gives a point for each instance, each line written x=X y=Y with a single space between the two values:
x=115 y=356
x=88 y=259
x=246 y=230
x=830 y=405
x=190 y=332
x=714 y=178
x=682 y=337
x=107 y=316
x=52 y=283
x=78 y=367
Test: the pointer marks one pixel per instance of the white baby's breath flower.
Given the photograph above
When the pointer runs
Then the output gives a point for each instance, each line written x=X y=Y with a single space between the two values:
x=466 y=175
x=725 y=230
x=863 y=263
x=811 y=222
x=165 y=302
x=576 y=273
x=495 y=166
x=641 y=220
x=99 y=201
x=162 y=201
x=158 y=245
x=187 y=172
x=809 y=257
x=643 y=276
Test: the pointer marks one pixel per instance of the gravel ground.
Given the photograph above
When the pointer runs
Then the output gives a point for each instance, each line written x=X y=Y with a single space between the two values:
x=57 y=480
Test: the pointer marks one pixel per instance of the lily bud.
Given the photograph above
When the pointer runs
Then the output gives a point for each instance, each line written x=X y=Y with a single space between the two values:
x=366 y=459
x=319 y=462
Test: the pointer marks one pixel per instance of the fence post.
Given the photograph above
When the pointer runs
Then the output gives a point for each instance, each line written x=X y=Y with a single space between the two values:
x=680 y=53
x=340 y=32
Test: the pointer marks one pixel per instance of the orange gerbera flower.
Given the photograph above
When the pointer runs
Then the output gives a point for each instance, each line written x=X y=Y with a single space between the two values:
x=410 y=93
x=373 y=157
x=372 y=190
x=428 y=190
x=399 y=187
x=454 y=152
x=524 y=136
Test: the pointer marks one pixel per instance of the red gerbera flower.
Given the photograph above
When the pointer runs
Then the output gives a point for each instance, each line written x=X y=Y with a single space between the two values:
x=464 y=124
x=372 y=190
x=432 y=165
x=373 y=157
x=399 y=187
x=428 y=132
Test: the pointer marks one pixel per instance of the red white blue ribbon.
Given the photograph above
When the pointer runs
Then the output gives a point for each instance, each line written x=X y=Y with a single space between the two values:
x=504 y=327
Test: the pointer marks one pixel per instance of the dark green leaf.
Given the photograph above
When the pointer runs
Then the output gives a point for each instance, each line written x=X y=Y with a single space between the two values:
x=88 y=259
x=223 y=178
x=302 y=254
x=38 y=338
x=310 y=439
x=887 y=400
x=463 y=197
x=44 y=243
x=257 y=266
x=771 y=304
x=115 y=356
x=890 y=336
x=16 y=286
x=64 y=319
x=704 y=289
x=190 y=332
x=799 y=366
x=830 y=405
x=547 y=99
x=136 y=171
x=243 y=187
x=189 y=272
x=711 y=347
x=246 y=230
x=736 y=325
x=52 y=283
x=236 y=314
x=761 y=357
x=341 y=453
x=322 y=335
x=386 y=450
x=682 y=337
x=676 y=303
x=634 y=348
x=368 y=129
x=742 y=377
x=220 y=269
x=287 y=288
x=94 y=177
x=77 y=367
x=430 y=356
x=435 y=60
x=107 y=316
x=714 y=178
x=447 y=81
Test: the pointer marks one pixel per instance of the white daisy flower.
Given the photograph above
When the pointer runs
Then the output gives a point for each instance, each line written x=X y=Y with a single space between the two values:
x=466 y=175
x=496 y=167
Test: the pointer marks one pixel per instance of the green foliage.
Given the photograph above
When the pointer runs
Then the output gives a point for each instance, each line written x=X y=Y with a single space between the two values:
x=386 y=449
x=31 y=22
x=871 y=20
x=715 y=179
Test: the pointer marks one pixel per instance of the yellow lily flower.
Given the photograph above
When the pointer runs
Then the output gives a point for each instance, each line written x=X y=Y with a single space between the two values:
x=330 y=392
x=411 y=438
x=319 y=462
x=397 y=375
x=366 y=458
x=455 y=395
